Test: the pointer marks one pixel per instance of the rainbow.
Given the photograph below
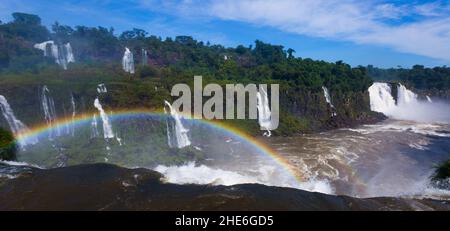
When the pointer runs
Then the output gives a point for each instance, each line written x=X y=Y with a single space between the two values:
x=35 y=131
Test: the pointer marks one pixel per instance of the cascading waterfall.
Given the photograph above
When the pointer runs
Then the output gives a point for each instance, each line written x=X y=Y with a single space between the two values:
x=408 y=105
x=381 y=99
x=128 y=61
x=119 y=140
x=429 y=99
x=70 y=58
x=264 y=114
x=107 y=128
x=177 y=134
x=101 y=88
x=46 y=47
x=326 y=94
x=94 y=127
x=62 y=54
x=16 y=126
x=48 y=107
x=405 y=96
x=74 y=113
x=144 y=57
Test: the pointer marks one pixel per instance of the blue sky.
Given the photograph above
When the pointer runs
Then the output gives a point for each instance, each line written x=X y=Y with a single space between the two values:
x=360 y=32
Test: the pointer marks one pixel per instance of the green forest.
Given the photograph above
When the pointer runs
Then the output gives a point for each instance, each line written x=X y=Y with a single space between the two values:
x=418 y=76
x=176 y=57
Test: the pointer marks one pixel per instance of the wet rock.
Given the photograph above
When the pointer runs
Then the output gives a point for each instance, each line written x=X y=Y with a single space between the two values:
x=101 y=187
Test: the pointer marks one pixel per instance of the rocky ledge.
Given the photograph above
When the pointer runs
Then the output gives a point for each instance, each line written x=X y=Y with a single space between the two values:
x=109 y=187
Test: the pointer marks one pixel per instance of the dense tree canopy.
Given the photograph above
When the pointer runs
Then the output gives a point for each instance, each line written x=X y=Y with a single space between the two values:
x=182 y=55
x=418 y=76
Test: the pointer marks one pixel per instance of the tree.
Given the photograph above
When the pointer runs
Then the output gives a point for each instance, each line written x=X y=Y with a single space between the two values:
x=267 y=53
x=290 y=52
x=27 y=26
x=185 y=40
x=24 y=18
x=61 y=31
x=133 y=34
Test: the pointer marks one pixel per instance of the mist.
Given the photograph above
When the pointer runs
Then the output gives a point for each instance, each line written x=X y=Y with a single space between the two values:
x=422 y=111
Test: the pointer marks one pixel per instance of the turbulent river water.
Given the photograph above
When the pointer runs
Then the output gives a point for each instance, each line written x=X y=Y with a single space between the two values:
x=391 y=158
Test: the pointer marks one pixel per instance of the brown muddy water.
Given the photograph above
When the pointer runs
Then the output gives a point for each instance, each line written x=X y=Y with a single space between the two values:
x=391 y=158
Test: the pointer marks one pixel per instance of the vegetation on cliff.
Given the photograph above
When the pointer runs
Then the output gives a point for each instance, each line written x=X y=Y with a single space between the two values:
x=98 y=52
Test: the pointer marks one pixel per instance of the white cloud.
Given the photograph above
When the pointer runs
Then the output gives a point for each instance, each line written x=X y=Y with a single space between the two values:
x=373 y=22
x=421 y=29
x=429 y=9
x=390 y=11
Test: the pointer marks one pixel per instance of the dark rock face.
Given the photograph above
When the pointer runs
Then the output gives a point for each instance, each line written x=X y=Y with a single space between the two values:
x=434 y=93
x=351 y=108
x=108 y=187
x=8 y=147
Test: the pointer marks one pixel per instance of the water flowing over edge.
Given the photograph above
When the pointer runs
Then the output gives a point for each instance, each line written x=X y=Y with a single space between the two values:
x=177 y=134
x=406 y=105
x=128 y=61
x=62 y=54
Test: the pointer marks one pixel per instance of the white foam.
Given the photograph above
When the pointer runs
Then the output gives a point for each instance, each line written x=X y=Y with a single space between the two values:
x=191 y=173
x=18 y=163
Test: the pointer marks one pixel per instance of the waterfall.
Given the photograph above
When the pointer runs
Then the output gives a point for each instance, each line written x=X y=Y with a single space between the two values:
x=429 y=99
x=48 y=107
x=119 y=140
x=16 y=126
x=262 y=104
x=70 y=58
x=107 y=129
x=101 y=88
x=67 y=126
x=381 y=99
x=128 y=61
x=326 y=94
x=62 y=54
x=405 y=96
x=94 y=127
x=177 y=134
x=408 y=106
x=144 y=57
x=44 y=47
x=74 y=113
